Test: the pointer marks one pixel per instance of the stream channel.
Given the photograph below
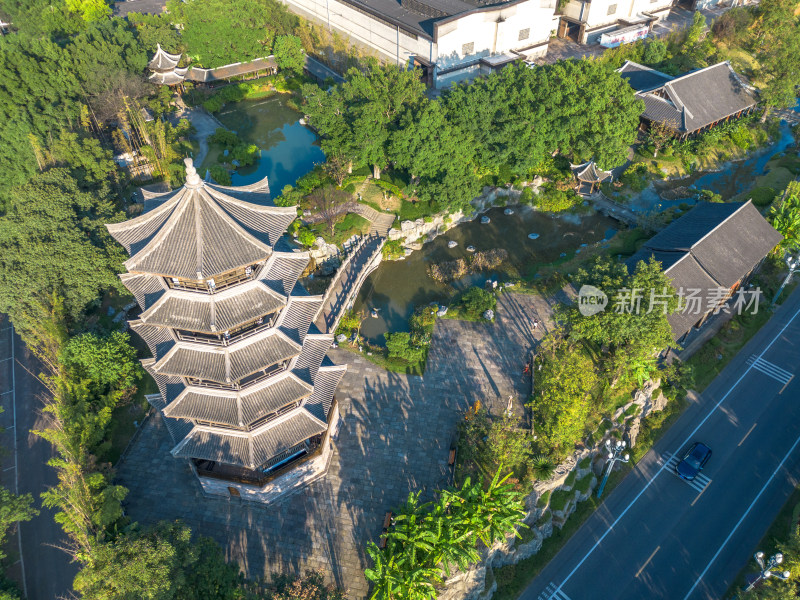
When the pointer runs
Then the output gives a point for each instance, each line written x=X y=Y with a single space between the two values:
x=289 y=150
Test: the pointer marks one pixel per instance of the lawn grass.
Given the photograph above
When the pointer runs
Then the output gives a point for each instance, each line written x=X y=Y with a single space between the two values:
x=570 y=480
x=543 y=499
x=124 y=421
x=346 y=227
x=559 y=499
x=584 y=482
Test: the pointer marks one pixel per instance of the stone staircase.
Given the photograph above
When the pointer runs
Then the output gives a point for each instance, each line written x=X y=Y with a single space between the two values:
x=381 y=222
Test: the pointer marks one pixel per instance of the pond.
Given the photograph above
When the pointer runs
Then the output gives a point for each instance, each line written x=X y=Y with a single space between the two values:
x=730 y=179
x=289 y=150
x=397 y=287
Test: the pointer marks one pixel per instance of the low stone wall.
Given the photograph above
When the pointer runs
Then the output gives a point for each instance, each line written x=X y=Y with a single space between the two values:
x=478 y=582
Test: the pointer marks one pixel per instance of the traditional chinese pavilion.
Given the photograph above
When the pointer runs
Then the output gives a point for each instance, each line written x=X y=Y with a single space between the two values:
x=246 y=390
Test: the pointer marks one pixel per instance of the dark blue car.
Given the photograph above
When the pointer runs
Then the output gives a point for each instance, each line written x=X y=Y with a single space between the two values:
x=693 y=461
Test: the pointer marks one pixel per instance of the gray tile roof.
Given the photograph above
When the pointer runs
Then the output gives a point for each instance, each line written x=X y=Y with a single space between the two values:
x=325 y=383
x=642 y=78
x=699 y=98
x=713 y=245
x=199 y=232
x=315 y=347
x=252 y=449
x=216 y=312
x=228 y=363
x=163 y=61
x=238 y=408
x=146 y=288
x=283 y=269
x=159 y=339
x=298 y=315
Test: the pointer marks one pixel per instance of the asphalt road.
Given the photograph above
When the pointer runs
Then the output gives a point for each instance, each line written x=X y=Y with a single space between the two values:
x=657 y=536
x=45 y=572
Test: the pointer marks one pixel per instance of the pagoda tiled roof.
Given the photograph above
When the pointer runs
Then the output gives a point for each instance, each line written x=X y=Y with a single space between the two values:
x=173 y=77
x=199 y=231
x=163 y=61
x=242 y=407
x=225 y=364
x=250 y=449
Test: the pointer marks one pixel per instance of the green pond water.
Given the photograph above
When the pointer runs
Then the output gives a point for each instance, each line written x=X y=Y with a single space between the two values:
x=289 y=150
x=396 y=287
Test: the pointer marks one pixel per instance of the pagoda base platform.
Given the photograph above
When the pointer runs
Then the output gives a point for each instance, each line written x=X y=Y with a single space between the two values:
x=294 y=478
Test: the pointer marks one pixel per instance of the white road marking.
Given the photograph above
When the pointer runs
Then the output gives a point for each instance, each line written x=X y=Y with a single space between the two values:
x=770 y=370
x=647 y=562
x=685 y=442
x=699 y=483
x=747 y=512
x=551 y=592
x=746 y=435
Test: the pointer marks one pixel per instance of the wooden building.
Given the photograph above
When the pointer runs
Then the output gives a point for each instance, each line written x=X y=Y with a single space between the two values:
x=709 y=253
x=694 y=102
x=246 y=390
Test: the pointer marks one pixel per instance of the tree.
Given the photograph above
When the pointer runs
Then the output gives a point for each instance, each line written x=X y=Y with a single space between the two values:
x=400 y=345
x=329 y=203
x=635 y=320
x=562 y=395
x=356 y=118
x=218 y=32
x=427 y=540
x=13 y=509
x=155 y=29
x=159 y=563
x=337 y=168
x=785 y=217
x=660 y=133
x=310 y=587
x=289 y=53
x=777 y=46
x=655 y=51
x=53 y=240
x=477 y=301
x=108 y=364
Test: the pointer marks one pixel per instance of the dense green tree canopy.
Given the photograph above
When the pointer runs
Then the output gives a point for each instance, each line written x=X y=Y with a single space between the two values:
x=289 y=53
x=53 y=241
x=221 y=32
x=160 y=563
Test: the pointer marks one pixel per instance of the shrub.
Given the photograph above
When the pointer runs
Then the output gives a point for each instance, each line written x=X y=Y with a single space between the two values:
x=224 y=138
x=220 y=175
x=741 y=137
x=306 y=237
x=393 y=249
x=526 y=197
x=542 y=467
x=400 y=346
x=477 y=301
x=552 y=199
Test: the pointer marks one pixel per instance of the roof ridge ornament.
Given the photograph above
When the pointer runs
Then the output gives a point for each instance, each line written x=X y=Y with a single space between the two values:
x=192 y=178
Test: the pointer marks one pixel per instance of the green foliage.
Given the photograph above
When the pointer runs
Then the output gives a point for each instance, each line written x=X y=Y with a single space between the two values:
x=155 y=29
x=477 y=301
x=401 y=346
x=393 y=249
x=634 y=325
x=289 y=53
x=427 y=540
x=542 y=467
x=220 y=174
x=489 y=444
x=776 y=43
x=217 y=32
x=89 y=10
x=53 y=241
x=310 y=587
x=13 y=509
x=306 y=237
x=785 y=217
x=107 y=365
x=159 y=563
x=552 y=199
x=561 y=401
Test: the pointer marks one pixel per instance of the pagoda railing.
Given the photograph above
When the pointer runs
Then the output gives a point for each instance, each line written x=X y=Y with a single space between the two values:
x=222 y=340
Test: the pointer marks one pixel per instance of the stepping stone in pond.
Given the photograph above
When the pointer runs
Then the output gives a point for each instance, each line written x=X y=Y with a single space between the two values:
x=470 y=248
x=508 y=211
x=452 y=244
x=485 y=220
x=533 y=236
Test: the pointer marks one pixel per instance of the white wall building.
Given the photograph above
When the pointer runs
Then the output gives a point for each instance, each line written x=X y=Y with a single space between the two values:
x=585 y=21
x=451 y=40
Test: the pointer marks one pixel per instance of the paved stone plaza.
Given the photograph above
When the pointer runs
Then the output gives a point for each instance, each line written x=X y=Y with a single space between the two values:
x=394 y=437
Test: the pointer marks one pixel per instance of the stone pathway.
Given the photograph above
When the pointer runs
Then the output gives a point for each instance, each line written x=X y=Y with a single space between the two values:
x=394 y=437
x=381 y=222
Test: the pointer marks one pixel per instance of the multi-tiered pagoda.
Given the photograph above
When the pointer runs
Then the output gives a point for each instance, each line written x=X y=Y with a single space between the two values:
x=246 y=389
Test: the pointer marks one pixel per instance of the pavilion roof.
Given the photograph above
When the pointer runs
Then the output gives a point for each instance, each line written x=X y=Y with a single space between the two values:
x=199 y=231
x=172 y=77
x=590 y=173
x=163 y=61
x=238 y=408
x=250 y=449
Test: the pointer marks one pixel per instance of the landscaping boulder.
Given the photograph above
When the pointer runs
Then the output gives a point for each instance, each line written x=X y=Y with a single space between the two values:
x=489 y=315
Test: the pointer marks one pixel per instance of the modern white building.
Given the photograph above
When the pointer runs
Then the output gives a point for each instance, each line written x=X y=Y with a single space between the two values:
x=450 y=40
x=585 y=21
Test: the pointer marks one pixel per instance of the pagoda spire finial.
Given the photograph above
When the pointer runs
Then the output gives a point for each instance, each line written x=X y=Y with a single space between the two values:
x=192 y=178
